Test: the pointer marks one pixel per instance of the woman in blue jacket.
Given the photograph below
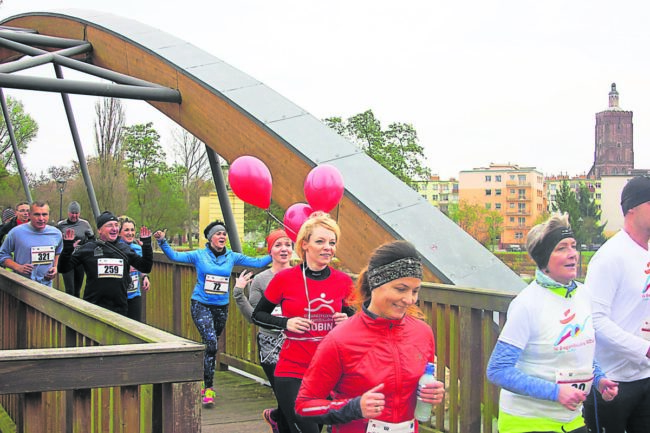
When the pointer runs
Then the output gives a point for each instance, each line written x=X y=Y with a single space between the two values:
x=210 y=298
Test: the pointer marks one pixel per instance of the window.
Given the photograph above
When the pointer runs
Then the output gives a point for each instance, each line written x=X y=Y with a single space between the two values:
x=497 y=178
x=488 y=206
x=522 y=178
x=519 y=235
x=497 y=205
x=521 y=221
x=497 y=192
x=521 y=207
x=488 y=178
x=512 y=219
x=598 y=195
x=434 y=197
x=512 y=205
x=512 y=177
x=488 y=192
x=444 y=197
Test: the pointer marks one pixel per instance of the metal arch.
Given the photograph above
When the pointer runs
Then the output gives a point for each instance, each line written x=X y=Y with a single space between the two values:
x=235 y=114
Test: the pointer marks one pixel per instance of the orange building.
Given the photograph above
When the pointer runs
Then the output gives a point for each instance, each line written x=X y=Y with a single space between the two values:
x=517 y=193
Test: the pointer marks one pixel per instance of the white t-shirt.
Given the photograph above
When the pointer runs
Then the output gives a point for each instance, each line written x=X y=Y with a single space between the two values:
x=556 y=334
x=618 y=279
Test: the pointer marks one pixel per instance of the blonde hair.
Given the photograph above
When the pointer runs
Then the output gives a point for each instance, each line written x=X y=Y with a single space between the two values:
x=316 y=219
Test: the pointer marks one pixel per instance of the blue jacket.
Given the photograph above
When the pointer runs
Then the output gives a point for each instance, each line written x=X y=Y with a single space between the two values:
x=216 y=270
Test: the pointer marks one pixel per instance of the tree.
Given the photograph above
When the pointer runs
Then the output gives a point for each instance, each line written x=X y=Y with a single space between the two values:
x=482 y=224
x=396 y=148
x=584 y=215
x=143 y=157
x=193 y=165
x=25 y=129
x=108 y=168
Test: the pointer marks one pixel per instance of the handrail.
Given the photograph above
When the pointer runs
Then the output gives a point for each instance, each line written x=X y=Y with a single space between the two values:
x=61 y=359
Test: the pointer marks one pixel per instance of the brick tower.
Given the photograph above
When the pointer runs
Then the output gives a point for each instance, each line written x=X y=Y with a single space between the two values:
x=614 y=152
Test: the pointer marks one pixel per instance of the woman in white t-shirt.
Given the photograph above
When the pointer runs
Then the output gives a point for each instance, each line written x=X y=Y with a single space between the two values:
x=544 y=357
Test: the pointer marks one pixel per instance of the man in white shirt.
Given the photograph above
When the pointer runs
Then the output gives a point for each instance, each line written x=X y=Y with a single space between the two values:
x=618 y=279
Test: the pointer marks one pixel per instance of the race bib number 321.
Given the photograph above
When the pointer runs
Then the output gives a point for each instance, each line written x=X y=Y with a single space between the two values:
x=42 y=255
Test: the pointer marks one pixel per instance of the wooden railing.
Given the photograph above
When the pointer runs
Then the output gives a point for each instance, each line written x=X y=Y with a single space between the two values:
x=69 y=366
x=465 y=322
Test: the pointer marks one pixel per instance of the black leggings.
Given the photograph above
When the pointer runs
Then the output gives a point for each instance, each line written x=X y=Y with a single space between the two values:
x=286 y=393
x=628 y=412
x=210 y=321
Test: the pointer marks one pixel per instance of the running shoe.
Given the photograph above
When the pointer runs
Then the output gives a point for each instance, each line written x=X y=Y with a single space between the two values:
x=208 y=397
x=267 y=417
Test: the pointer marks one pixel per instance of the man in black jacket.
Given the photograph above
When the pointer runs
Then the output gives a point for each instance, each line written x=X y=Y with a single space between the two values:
x=106 y=262
x=22 y=217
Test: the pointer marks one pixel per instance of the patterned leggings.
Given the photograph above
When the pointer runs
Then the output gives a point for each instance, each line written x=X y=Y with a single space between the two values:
x=210 y=321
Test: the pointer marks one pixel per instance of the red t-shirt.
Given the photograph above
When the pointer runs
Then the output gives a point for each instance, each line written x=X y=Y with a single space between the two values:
x=318 y=302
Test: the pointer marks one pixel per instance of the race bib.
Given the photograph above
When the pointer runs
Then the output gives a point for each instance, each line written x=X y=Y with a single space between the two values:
x=42 y=255
x=376 y=426
x=579 y=379
x=135 y=282
x=216 y=285
x=645 y=329
x=110 y=268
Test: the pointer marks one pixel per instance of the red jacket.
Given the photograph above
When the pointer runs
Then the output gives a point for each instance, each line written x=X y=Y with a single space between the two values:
x=358 y=355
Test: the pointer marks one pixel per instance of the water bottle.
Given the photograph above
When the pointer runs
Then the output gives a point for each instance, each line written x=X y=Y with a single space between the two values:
x=422 y=409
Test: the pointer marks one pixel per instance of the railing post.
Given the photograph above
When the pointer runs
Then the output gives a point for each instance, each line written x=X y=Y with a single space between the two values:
x=81 y=413
x=177 y=407
x=471 y=370
x=33 y=421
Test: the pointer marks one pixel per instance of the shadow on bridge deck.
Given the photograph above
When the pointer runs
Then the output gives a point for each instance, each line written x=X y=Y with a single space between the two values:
x=238 y=406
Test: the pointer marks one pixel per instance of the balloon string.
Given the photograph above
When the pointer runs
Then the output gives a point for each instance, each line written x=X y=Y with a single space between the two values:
x=268 y=212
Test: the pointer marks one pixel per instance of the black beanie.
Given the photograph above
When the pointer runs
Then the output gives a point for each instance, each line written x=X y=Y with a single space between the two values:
x=635 y=192
x=105 y=217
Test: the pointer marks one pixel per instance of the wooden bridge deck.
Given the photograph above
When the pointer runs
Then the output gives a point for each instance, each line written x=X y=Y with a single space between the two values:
x=238 y=406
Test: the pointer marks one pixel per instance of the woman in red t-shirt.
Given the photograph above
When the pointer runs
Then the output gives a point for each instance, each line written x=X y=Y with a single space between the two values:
x=314 y=299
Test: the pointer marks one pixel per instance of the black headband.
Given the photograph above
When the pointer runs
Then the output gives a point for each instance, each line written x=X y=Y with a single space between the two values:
x=542 y=251
x=406 y=267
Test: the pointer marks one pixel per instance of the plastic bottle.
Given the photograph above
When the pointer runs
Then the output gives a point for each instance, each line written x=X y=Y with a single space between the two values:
x=422 y=409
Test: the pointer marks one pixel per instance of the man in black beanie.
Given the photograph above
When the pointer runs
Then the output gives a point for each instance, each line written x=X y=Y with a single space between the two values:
x=106 y=262
x=618 y=280
x=83 y=233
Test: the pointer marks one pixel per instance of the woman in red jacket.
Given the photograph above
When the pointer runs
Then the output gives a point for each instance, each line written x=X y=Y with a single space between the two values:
x=314 y=298
x=368 y=368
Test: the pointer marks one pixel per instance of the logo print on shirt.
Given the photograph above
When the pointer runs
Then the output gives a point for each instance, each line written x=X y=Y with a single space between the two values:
x=570 y=329
x=646 y=286
x=320 y=311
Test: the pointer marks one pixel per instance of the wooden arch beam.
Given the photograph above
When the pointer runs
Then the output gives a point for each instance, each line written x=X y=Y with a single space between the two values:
x=236 y=115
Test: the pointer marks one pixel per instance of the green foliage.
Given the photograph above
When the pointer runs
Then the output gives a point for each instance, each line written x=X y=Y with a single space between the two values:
x=584 y=215
x=25 y=129
x=396 y=148
x=257 y=221
x=482 y=224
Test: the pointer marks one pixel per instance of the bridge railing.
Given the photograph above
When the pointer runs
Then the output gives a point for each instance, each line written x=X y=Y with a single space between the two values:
x=465 y=322
x=69 y=366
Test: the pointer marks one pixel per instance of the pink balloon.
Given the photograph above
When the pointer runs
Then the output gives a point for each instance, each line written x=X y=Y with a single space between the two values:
x=294 y=217
x=250 y=180
x=324 y=187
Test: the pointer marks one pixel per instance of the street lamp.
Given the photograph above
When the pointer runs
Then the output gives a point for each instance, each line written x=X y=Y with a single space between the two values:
x=61 y=182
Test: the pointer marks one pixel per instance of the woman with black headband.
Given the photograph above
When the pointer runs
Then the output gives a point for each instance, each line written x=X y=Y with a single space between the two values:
x=544 y=357
x=368 y=368
x=210 y=298
x=314 y=300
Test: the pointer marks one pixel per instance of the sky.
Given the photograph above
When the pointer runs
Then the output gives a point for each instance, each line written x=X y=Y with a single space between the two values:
x=482 y=82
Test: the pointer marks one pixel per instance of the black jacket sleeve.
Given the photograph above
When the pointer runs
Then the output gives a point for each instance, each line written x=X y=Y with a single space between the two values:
x=144 y=263
x=262 y=315
x=66 y=262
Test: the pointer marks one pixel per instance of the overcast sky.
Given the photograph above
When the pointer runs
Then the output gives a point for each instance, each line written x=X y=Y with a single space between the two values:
x=481 y=81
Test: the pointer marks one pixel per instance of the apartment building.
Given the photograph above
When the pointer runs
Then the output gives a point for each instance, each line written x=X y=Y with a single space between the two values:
x=554 y=182
x=517 y=193
x=438 y=192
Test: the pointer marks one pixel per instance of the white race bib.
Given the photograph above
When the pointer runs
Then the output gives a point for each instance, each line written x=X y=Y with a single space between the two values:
x=376 y=426
x=135 y=281
x=42 y=255
x=216 y=285
x=579 y=379
x=110 y=268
